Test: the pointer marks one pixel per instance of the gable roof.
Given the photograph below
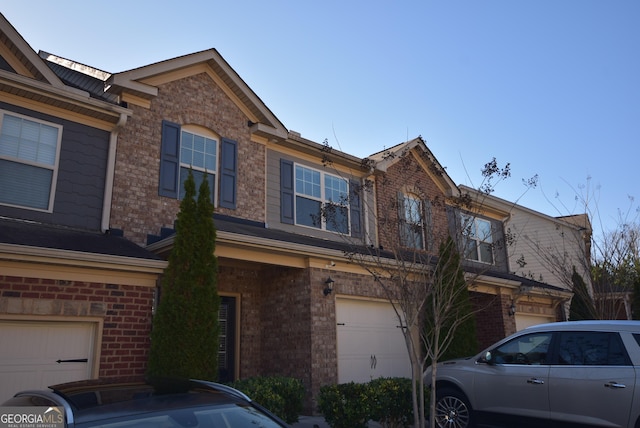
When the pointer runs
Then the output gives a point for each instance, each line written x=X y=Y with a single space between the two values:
x=385 y=158
x=142 y=84
x=26 y=80
x=22 y=58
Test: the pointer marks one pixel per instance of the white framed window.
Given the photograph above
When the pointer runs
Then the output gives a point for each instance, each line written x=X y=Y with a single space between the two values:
x=477 y=239
x=412 y=223
x=29 y=157
x=198 y=151
x=321 y=200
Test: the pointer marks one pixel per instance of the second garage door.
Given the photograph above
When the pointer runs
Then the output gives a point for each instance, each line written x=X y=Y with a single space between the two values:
x=38 y=354
x=370 y=341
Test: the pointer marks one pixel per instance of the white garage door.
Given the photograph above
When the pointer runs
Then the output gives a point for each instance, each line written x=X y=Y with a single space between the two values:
x=370 y=341
x=524 y=320
x=39 y=354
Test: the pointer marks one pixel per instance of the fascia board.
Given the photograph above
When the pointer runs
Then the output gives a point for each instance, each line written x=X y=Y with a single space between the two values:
x=77 y=258
x=75 y=97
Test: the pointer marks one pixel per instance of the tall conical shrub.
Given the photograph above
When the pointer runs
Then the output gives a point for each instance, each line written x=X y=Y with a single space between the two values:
x=185 y=335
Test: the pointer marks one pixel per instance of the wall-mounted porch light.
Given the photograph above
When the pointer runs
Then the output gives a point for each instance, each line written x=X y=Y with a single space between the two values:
x=328 y=286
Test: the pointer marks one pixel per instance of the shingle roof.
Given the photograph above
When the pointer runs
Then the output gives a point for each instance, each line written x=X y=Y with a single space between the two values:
x=39 y=235
x=259 y=230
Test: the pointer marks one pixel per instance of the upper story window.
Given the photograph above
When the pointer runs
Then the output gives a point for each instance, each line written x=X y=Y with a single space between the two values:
x=29 y=155
x=416 y=226
x=412 y=222
x=477 y=238
x=209 y=156
x=321 y=200
x=199 y=153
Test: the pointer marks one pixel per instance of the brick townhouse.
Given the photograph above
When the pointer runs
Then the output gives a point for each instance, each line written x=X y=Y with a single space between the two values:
x=75 y=300
x=293 y=302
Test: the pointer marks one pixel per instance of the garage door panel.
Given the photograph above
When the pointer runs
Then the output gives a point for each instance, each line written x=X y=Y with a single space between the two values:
x=29 y=354
x=370 y=342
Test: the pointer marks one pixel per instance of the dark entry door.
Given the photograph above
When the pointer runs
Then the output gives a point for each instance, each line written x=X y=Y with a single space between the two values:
x=226 y=354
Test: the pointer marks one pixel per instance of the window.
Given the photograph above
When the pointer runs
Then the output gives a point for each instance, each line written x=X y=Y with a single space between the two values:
x=321 y=200
x=413 y=220
x=29 y=153
x=529 y=349
x=207 y=155
x=200 y=154
x=592 y=349
x=477 y=238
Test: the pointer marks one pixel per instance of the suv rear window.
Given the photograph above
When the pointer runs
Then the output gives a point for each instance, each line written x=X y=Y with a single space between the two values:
x=591 y=348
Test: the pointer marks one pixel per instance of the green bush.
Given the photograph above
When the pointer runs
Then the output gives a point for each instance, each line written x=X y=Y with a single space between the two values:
x=391 y=402
x=281 y=395
x=384 y=400
x=345 y=405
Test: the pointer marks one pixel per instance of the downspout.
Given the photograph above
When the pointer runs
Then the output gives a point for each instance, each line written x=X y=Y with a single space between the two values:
x=111 y=166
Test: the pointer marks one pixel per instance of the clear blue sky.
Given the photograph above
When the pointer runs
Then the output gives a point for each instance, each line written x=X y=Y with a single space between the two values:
x=550 y=86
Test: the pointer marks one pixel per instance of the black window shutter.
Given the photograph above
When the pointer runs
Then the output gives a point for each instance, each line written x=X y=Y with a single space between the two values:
x=228 y=173
x=169 y=160
x=355 y=205
x=286 y=191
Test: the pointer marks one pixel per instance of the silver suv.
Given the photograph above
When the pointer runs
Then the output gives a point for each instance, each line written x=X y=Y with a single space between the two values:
x=582 y=373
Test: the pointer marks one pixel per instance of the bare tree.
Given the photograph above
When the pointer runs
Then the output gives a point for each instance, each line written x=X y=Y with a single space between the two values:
x=412 y=222
x=586 y=255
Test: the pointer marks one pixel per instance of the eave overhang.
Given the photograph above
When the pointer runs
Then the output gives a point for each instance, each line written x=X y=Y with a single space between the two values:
x=59 y=264
x=141 y=83
x=33 y=94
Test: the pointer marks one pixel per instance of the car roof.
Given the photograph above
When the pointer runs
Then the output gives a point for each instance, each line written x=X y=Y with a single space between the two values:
x=94 y=399
x=591 y=325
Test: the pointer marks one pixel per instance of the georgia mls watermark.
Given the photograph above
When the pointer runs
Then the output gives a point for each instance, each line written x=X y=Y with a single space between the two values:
x=31 y=417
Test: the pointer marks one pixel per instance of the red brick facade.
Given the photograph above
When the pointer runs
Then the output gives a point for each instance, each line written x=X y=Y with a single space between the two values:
x=137 y=208
x=408 y=176
x=124 y=310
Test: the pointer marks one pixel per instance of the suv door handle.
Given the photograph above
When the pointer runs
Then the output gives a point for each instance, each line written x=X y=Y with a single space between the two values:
x=535 y=381
x=614 y=384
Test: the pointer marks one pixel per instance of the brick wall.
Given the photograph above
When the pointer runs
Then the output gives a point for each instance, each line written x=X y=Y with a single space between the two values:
x=493 y=321
x=407 y=175
x=125 y=310
x=137 y=208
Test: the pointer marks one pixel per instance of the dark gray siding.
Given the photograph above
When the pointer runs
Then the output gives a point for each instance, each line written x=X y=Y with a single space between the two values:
x=81 y=176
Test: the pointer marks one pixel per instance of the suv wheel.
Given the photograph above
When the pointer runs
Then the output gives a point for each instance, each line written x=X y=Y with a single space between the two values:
x=452 y=409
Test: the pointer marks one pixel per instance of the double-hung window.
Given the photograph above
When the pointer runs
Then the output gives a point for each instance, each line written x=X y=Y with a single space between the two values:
x=321 y=200
x=412 y=222
x=206 y=154
x=29 y=155
x=477 y=238
x=198 y=153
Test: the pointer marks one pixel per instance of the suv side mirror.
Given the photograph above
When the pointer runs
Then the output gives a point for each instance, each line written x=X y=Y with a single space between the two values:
x=487 y=358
